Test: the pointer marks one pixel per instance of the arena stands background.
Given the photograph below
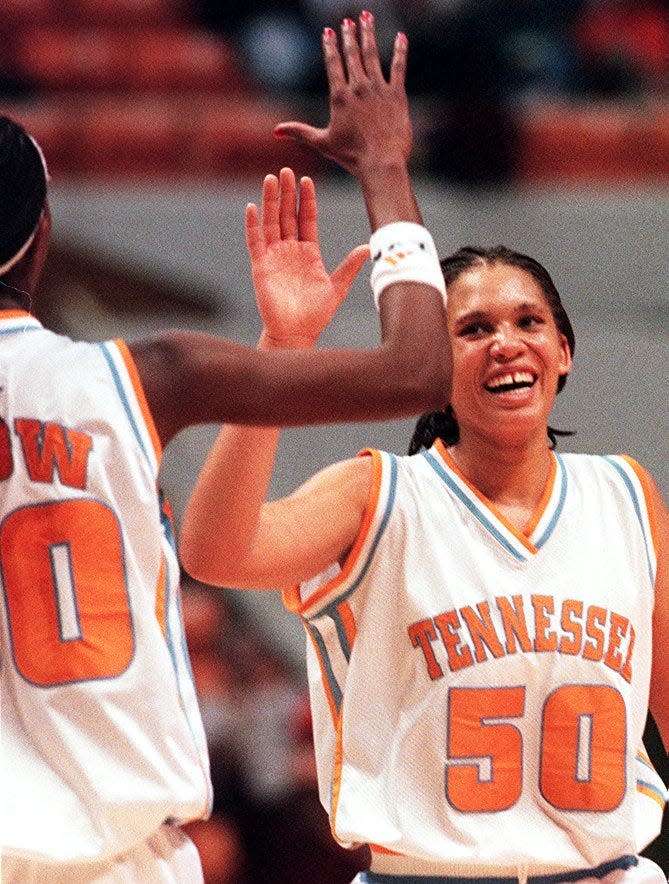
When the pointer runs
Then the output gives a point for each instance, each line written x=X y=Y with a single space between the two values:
x=543 y=124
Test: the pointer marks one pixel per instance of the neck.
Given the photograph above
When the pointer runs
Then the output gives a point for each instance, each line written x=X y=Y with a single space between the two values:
x=505 y=474
x=11 y=300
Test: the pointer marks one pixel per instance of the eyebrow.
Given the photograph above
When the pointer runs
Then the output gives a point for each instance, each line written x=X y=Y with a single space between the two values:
x=482 y=315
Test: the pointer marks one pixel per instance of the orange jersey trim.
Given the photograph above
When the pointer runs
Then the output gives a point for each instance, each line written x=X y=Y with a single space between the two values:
x=376 y=848
x=15 y=314
x=336 y=777
x=291 y=596
x=644 y=481
x=651 y=793
x=348 y=620
x=161 y=613
x=141 y=396
x=521 y=536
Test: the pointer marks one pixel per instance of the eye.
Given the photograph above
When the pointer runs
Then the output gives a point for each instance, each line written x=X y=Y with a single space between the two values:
x=530 y=321
x=474 y=329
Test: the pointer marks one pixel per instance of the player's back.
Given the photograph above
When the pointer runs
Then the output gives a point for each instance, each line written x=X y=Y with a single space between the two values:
x=101 y=738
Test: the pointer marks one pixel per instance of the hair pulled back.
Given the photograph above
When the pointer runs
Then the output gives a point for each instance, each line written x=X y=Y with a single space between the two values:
x=22 y=188
x=442 y=424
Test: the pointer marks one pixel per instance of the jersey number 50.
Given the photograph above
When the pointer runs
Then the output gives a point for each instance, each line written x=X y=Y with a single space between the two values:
x=64 y=579
x=581 y=749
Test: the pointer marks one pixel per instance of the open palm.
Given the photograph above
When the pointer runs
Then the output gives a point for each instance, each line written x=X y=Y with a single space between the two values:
x=296 y=296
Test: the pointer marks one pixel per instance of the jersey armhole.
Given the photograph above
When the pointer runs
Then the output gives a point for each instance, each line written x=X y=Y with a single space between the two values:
x=305 y=599
x=645 y=481
x=140 y=397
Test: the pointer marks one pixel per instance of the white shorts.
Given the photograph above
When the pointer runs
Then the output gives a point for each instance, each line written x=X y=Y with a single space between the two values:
x=645 y=872
x=167 y=857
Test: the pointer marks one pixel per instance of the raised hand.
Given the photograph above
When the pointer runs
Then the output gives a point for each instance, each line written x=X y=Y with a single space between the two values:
x=369 y=116
x=296 y=296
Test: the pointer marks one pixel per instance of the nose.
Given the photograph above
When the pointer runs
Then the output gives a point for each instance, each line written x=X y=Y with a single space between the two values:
x=506 y=343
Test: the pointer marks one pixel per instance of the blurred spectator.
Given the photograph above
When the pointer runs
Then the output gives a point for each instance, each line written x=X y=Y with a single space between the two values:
x=280 y=41
x=280 y=48
x=624 y=46
x=218 y=839
x=12 y=85
x=267 y=822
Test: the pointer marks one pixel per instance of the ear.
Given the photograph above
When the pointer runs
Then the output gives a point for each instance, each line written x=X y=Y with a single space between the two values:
x=565 y=356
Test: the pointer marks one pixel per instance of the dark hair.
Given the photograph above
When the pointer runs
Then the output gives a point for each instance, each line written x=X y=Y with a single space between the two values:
x=442 y=424
x=22 y=188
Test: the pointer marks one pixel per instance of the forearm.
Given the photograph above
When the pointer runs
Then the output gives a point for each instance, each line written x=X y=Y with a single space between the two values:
x=388 y=193
x=223 y=512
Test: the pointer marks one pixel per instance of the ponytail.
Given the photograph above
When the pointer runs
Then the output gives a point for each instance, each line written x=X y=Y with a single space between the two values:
x=443 y=425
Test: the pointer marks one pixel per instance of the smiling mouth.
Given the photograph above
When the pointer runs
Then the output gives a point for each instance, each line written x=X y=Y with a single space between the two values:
x=506 y=383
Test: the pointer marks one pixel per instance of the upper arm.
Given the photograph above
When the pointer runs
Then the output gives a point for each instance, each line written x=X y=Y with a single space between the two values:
x=300 y=535
x=659 y=685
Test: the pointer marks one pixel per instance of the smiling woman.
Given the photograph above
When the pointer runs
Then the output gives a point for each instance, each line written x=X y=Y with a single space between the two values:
x=513 y=595
x=530 y=314
x=480 y=614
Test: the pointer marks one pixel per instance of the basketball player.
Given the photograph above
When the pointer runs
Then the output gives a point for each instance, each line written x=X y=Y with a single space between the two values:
x=103 y=750
x=480 y=614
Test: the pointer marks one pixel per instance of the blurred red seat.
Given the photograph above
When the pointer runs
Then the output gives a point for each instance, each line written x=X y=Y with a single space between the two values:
x=18 y=12
x=110 y=59
x=130 y=138
x=235 y=138
x=51 y=124
x=125 y=13
x=66 y=58
x=598 y=144
x=183 y=59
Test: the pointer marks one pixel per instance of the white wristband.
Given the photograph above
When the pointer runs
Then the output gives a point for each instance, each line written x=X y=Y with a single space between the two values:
x=404 y=252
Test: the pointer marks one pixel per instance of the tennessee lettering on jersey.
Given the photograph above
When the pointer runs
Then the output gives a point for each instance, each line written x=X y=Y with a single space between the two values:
x=479 y=693
x=469 y=636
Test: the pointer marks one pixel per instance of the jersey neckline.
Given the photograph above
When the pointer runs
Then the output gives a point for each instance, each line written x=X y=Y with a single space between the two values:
x=520 y=544
x=15 y=320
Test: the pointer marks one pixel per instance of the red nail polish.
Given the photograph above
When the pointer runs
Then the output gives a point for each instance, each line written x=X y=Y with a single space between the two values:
x=366 y=16
x=348 y=23
x=328 y=32
x=402 y=38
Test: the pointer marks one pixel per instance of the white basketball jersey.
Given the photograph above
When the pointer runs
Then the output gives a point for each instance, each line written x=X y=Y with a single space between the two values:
x=101 y=735
x=480 y=694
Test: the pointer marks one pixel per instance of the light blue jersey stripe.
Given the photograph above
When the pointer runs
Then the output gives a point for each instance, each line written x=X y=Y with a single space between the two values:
x=651 y=787
x=637 y=509
x=341 y=634
x=16 y=329
x=122 y=396
x=331 y=608
x=335 y=690
x=560 y=505
x=471 y=506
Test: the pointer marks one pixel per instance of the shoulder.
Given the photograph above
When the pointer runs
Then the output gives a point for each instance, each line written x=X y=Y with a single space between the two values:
x=352 y=477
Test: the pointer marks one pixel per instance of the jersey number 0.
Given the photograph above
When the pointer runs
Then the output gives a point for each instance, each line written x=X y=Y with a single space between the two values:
x=65 y=586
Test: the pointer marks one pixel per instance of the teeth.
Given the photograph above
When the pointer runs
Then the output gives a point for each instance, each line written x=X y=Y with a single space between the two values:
x=505 y=380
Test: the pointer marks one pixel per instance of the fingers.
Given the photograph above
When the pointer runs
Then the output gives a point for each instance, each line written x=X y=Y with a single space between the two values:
x=281 y=218
x=334 y=68
x=255 y=241
x=368 y=47
x=343 y=276
x=308 y=213
x=351 y=52
x=398 y=65
x=287 y=204
x=299 y=132
x=270 y=210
